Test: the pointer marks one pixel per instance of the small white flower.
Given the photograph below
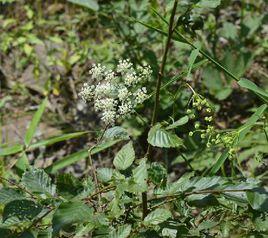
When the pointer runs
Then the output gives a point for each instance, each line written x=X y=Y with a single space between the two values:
x=103 y=89
x=140 y=95
x=97 y=71
x=109 y=75
x=131 y=79
x=125 y=108
x=145 y=72
x=108 y=117
x=124 y=66
x=123 y=93
x=87 y=92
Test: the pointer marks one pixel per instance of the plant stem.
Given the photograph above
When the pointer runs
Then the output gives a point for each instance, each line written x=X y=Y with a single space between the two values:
x=157 y=94
x=89 y=162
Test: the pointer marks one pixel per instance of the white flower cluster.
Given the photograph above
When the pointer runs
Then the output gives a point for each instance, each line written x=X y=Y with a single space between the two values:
x=116 y=93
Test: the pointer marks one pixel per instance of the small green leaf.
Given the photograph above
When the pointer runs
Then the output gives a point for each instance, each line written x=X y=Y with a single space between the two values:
x=91 y=4
x=125 y=157
x=140 y=176
x=121 y=232
x=258 y=199
x=209 y=3
x=156 y=217
x=105 y=174
x=116 y=132
x=23 y=209
x=37 y=181
x=180 y=122
x=69 y=213
x=192 y=59
x=254 y=88
x=34 y=123
x=243 y=130
x=219 y=162
x=11 y=150
x=23 y=163
x=159 y=137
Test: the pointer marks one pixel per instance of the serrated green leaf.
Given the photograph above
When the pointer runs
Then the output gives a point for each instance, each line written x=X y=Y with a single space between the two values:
x=91 y=4
x=11 y=150
x=121 y=232
x=23 y=209
x=8 y=194
x=70 y=213
x=68 y=185
x=104 y=174
x=125 y=157
x=156 y=217
x=34 y=123
x=180 y=122
x=37 y=181
x=159 y=137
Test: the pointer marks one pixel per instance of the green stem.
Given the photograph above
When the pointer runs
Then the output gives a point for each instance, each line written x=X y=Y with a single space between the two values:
x=157 y=94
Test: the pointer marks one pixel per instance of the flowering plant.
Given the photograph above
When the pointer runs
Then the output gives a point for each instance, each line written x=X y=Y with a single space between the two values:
x=116 y=93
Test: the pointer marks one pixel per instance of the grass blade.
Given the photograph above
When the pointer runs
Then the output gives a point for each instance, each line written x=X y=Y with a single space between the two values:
x=77 y=156
x=34 y=123
x=219 y=162
x=57 y=139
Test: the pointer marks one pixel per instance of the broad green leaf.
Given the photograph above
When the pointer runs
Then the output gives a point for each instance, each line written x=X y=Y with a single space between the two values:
x=180 y=122
x=91 y=4
x=254 y=88
x=121 y=232
x=220 y=161
x=56 y=139
x=70 y=213
x=37 y=181
x=258 y=199
x=156 y=217
x=34 y=123
x=125 y=157
x=68 y=185
x=104 y=174
x=159 y=137
x=11 y=150
x=243 y=130
x=208 y=3
x=8 y=194
x=77 y=156
x=23 y=209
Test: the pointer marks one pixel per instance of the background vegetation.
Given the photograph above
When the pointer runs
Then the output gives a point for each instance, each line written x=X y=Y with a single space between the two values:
x=191 y=161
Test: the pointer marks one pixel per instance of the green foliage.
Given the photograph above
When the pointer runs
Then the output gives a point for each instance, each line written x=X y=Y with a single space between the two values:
x=160 y=137
x=198 y=170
